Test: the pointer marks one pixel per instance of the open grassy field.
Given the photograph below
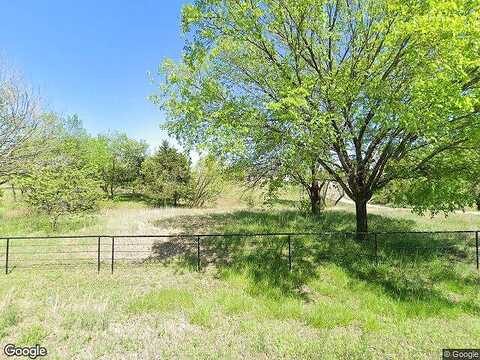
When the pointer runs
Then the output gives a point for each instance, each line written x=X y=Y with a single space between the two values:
x=335 y=304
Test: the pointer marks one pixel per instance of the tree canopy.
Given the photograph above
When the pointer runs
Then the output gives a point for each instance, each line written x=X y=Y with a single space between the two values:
x=23 y=128
x=166 y=175
x=118 y=159
x=61 y=181
x=369 y=91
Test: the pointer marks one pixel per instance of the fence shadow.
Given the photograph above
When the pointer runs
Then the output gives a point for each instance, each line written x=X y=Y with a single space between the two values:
x=244 y=221
x=408 y=264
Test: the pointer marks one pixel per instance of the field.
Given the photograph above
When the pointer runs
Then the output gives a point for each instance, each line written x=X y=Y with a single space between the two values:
x=328 y=307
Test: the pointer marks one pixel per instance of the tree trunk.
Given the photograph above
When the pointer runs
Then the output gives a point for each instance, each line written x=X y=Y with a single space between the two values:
x=55 y=222
x=315 y=198
x=14 y=193
x=112 y=180
x=478 y=203
x=362 y=221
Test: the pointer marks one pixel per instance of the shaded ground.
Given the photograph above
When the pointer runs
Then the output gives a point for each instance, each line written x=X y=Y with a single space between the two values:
x=336 y=303
x=279 y=221
x=404 y=266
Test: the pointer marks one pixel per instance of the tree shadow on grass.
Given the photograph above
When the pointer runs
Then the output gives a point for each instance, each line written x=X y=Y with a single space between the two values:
x=403 y=266
x=135 y=197
x=144 y=199
x=279 y=221
x=285 y=202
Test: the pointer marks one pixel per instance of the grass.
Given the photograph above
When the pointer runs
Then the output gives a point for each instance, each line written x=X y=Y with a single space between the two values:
x=163 y=311
x=16 y=220
x=8 y=318
x=335 y=304
x=161 y=301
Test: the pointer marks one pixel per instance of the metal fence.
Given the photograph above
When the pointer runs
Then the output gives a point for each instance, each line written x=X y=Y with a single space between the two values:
x=201 y=250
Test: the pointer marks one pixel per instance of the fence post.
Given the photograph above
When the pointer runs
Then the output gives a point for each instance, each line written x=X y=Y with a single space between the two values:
x=98 y=255
x=198 y=253
x=289 y=253
x=113 y=253
x=6 y=256
x=476 y=246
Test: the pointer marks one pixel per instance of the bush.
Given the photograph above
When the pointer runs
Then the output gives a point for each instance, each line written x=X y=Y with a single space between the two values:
x=166 y=175
x=206 y=183
x=60 y=190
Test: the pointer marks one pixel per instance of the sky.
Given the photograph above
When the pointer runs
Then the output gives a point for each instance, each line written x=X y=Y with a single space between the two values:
x=92 y=58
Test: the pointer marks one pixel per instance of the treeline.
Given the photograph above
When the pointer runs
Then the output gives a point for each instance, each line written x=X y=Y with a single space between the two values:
x=74 y=170
x=57 y=168
x=377 y=97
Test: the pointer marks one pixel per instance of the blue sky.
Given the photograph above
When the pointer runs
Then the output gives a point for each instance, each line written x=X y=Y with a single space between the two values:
x=92 y=57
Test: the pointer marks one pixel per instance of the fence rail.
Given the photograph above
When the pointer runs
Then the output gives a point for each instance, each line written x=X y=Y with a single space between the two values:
x=109 y=250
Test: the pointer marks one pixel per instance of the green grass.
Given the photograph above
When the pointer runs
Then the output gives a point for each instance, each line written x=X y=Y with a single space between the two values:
x=151 y=309
x=16 y=220
x=339 y=219
x=32 y=336
x=202 y=314
x=8 y=318
x=337 y=303
x=161 y=301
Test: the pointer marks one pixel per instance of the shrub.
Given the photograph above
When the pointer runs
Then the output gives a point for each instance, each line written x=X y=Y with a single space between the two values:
x=166 y=175
x=60 y=190
x=206 y=183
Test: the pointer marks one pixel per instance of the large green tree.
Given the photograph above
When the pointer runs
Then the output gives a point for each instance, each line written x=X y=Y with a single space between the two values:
x=276 y=167
x=166 y=175
x=24 y=128
x=61 y=181
x=59 y=189
x=451 y=182
x=206 y=182
x=117 y=160
x=372 y=90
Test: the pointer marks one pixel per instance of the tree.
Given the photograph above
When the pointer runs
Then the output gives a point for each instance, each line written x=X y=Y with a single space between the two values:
x=130 y=154
x=275 y=168
x=206 y=182
x=450 y=182
x=373 y=91
x=59 y=189
x=23 y=129
x=166 y=175
x=117 y=159
x=61 y=180
x=472 y=172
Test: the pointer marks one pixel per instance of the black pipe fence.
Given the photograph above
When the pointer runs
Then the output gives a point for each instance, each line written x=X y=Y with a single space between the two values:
x=201 y=250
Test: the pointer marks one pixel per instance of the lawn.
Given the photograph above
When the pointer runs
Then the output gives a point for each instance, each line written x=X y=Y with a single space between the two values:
x=336 y=303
